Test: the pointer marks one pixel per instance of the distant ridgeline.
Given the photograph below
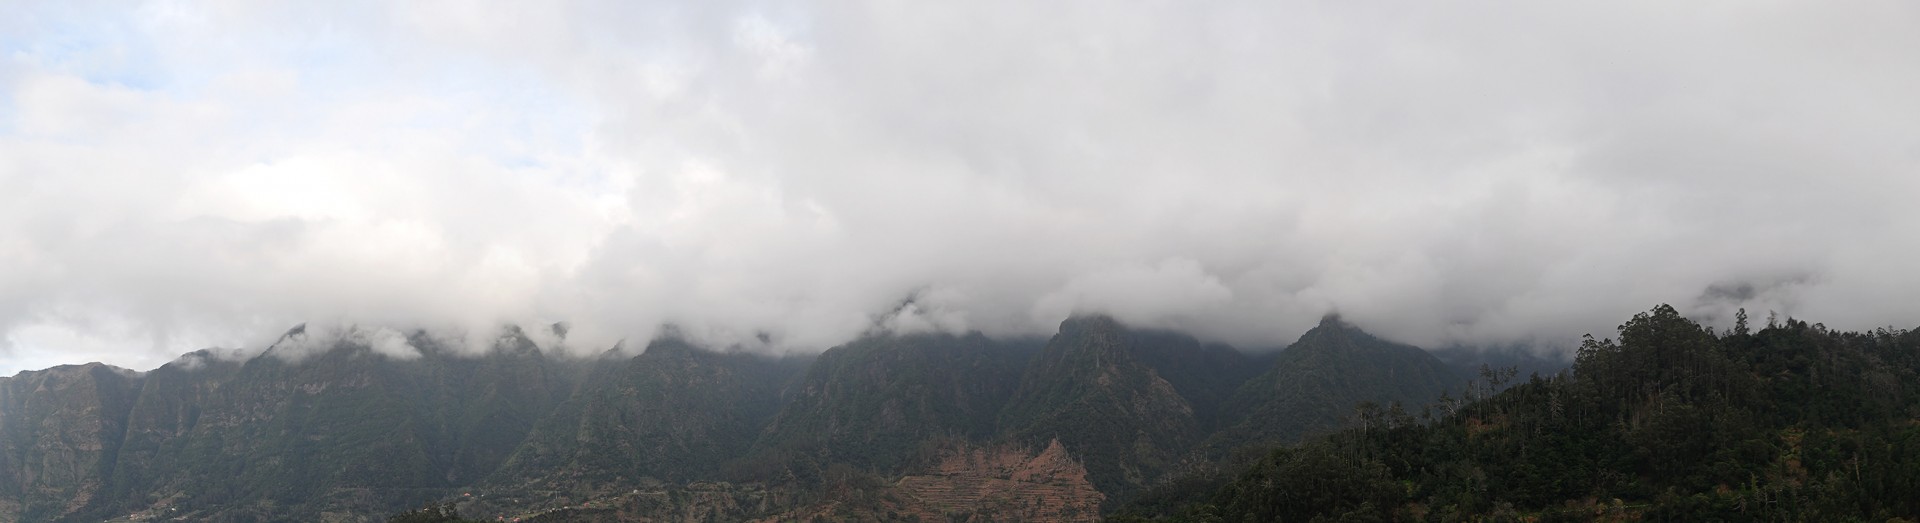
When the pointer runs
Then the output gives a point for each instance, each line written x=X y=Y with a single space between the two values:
x=1671 y=420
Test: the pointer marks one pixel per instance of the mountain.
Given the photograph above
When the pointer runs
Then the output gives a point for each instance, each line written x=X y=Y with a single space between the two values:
x=345 y=427
x=1204 y=374
x=339 y=429
x=170 y=406
x=60 y=431
x=1314 y=385
x=1129 y=403
x=1793 y=421
x=674 y=413
x=306 y=435
x=494 y=402
x=880 y=401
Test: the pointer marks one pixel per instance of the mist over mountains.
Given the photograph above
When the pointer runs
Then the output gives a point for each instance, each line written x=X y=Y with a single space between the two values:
x=181 y=176
x=617 y=261
x=355 y=428
x=1099 y=421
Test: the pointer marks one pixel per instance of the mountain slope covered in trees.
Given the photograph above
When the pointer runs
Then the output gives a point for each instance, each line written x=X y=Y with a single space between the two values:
x=1670 y=419
x=672 y=413
x=877 y=402
x=1093 y=389
x=1668 y=422
x=1314 y=385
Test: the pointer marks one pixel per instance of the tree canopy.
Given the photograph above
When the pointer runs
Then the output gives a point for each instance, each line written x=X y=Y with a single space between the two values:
x=1669 y=421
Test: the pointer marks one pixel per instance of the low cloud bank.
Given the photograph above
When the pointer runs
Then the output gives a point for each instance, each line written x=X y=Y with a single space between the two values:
x=780 y=175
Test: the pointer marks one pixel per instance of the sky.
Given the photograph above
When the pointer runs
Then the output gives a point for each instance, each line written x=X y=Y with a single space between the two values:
x=785 y=176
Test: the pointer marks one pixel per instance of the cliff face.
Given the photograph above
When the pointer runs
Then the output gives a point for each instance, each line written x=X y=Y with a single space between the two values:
x=60 y=432
x=268 y=436
x=173 y=401
x=344 y=430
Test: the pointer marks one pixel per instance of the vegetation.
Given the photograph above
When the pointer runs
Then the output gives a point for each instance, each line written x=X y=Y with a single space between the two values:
x=1670 y=422
x=347 y=431
x=877 y=403
x=434 y=513
x=1314 y=385
x=1090 y=389
x=675 y=412
x=1667 y=421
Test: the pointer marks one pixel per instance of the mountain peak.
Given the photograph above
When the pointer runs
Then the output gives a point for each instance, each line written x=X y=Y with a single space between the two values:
x=75 y=369
x=669 y=346
x=1315 y=383
x=513 y=341
x=1090 y=322
x=1333 y=328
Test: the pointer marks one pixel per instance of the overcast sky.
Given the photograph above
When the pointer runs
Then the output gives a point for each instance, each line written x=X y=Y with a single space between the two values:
x=182 y=175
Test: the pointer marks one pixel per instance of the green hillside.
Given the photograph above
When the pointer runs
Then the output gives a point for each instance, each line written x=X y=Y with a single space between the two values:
x=1095 y=388
x=1668 y=422
x=881 y=401
x=1314 y=385
x=673 y=413
x=60 y=431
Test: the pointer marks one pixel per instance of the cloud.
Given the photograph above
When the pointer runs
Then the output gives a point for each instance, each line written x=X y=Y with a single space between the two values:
x=309 y=340
x=199 y=359
x=1137 y=294
x=928 y=310
x=779 y=175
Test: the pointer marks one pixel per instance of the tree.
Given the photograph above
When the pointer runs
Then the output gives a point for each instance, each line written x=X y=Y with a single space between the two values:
x=432 y=513
x=1670 y=421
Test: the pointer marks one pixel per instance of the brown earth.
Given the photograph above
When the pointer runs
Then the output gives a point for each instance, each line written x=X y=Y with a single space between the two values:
x=1002 y=484
x=973 y=484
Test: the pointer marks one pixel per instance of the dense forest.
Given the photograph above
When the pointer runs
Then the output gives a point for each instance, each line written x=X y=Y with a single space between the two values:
x=1670 y=421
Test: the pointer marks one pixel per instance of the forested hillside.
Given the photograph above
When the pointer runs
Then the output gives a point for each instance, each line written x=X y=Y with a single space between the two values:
x=1670 y=421
x=1314 y=385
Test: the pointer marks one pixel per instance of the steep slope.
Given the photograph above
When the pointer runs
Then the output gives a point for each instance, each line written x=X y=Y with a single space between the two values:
x=675 y=412
x=169 y=407
x=877 y=402
x=485 y=407
x=1315 y=384
x=60 y=431
x=337 y=430
x=1097 y=389
x=1205 y=374
x=344 y=429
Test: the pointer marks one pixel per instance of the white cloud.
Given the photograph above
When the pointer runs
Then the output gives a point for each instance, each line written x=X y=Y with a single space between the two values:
x=1138 y=294
x=196 y=174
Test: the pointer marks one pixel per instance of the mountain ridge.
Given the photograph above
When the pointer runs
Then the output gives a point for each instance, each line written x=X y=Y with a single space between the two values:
x=347 y=426
x=1314 y=383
